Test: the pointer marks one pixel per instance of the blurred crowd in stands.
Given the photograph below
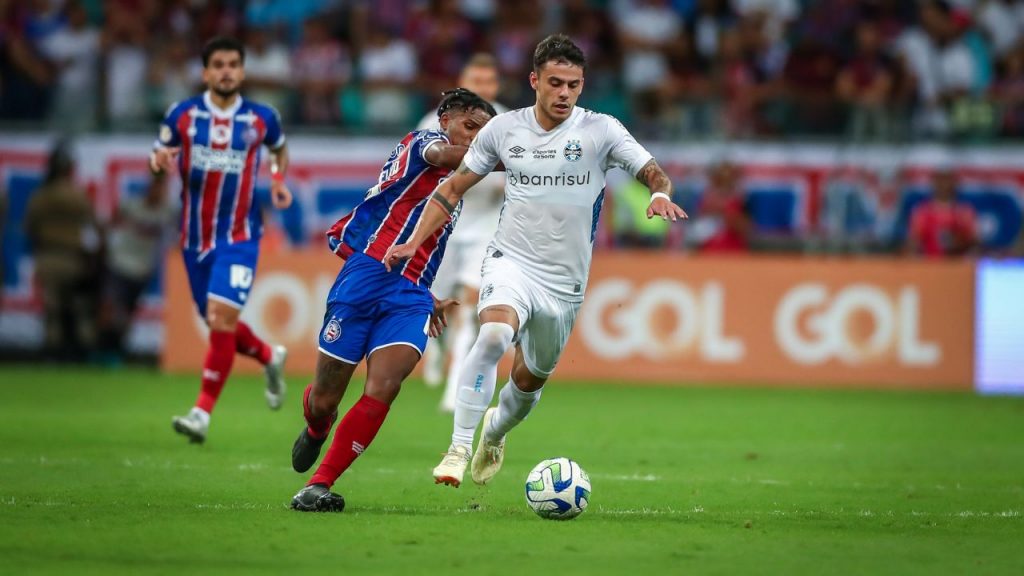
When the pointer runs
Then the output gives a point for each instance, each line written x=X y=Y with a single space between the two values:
x=865 y=70
x=855 y=71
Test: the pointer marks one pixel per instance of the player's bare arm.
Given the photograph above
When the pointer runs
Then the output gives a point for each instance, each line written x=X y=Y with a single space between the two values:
x=437 y=212
x=652 y=176
x=280 y=196
x=446 y=155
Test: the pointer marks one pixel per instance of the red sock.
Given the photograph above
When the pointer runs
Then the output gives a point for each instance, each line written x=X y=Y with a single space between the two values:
x=219 y=358
x=319 y=427
x=250 y=344
x=354 y=434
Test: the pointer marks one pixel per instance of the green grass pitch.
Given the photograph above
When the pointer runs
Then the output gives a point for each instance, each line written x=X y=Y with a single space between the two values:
x=692 y=480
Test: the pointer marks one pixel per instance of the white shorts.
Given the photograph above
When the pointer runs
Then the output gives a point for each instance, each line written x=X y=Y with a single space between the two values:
x=460 y=267
x=545 y=320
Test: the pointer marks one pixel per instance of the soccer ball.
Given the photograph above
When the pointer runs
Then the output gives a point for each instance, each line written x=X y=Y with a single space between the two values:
x=558 y=489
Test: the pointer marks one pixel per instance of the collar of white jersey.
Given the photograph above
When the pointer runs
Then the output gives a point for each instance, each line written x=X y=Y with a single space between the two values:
x=219 y=112
x=532 y=110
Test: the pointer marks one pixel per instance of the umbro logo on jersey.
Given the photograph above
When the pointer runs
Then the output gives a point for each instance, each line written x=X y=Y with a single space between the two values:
x=517 y=151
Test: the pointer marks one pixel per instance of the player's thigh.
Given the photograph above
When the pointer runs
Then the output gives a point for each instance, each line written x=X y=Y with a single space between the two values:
x=232 y=273
x=504 y=294
x=387 y=368
x=330 y=383
x=544 y=337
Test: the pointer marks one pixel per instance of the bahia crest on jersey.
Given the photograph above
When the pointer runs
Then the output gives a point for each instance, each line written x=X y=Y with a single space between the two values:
x=219 y=161
x=391 y=208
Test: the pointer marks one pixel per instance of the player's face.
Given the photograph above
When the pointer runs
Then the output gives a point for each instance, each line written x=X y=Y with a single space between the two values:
x=558 y=87
x=483 y=80
x=224 y=72
x=462 y=126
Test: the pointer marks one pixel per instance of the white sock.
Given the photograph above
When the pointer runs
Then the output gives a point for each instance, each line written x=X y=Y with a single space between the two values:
x=477 y=380
x=461 y=343
x=202 y=415
x=514 y=406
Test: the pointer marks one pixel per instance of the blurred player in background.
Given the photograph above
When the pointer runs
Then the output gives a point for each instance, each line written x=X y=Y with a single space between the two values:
x=535 y=273
x=376 y=312
x=136 y=243
x=459 y=274
x=214 y=140
x=61 y=227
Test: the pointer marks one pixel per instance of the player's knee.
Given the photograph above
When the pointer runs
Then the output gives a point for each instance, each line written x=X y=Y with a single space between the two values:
x=526 y=380
x=222 y=318
x=323 y=404
x=493 y=340
x=384 y=389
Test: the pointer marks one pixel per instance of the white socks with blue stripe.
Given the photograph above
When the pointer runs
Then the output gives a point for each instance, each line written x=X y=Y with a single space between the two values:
x=514 y=406
x=477 y=380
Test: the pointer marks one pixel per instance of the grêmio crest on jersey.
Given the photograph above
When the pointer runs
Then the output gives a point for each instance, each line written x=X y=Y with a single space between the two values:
x=573 y=151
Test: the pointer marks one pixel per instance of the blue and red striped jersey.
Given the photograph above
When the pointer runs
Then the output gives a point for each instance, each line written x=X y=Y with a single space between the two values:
x=219 y=159
x=389 y=212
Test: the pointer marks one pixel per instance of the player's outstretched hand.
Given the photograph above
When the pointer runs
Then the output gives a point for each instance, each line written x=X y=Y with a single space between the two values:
x=667 y=209
x=439 y=319
x=397 y=254
x=163 y=159
x=280 y=195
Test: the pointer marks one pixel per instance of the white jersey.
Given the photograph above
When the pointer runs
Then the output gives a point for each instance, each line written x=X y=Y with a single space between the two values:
x=554 y=189
x=480 y=207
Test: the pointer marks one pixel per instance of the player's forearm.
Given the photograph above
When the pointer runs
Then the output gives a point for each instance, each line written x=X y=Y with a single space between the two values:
x=435 y=214
x=652 y=176
x=279 y=161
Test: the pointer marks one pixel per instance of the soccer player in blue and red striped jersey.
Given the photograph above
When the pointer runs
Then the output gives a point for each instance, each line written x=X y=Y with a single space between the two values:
x=214 y=140
x=382 y=315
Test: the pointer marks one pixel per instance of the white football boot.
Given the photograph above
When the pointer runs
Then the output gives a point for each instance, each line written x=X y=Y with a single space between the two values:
x=274 y=371
x=489 y=455
x=452 y=466
x=194 y=425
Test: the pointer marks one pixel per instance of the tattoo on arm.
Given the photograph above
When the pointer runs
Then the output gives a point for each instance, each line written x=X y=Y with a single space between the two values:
x=440 y=199
x=652 y=176
x=463 y=169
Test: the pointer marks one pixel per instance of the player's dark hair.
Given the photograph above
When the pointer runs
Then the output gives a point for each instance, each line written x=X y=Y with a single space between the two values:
x=61 y=162
x=463 y=100
x=560 y=49
x=222 y=43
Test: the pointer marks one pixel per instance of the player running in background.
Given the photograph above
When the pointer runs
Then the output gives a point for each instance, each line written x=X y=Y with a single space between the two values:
x=535 y=273
x=459 y=274
x=214 y=141
x=381 y=314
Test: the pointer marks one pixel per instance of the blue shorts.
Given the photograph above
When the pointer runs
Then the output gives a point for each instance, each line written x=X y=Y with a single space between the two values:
x=369 y=308
x=224 y=274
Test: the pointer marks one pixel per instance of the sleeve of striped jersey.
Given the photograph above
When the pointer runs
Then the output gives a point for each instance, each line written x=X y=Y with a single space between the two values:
x=274 y=137
x=168 y=135
x=482 y=156
x=425 y=139
x=623 y=150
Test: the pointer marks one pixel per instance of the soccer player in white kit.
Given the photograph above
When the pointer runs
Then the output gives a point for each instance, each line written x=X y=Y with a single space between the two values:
x=535 y=273
x=459 y=275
